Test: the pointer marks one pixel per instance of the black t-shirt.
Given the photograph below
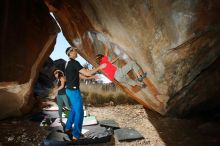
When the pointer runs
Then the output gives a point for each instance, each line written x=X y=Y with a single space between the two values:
x=72 y=74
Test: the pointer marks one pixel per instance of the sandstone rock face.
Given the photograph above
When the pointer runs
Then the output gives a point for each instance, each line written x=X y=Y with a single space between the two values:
x=28 y=34
x=175 y=42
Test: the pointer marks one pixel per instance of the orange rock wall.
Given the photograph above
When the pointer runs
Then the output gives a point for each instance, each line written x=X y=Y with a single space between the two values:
x=28 y=35
x=175 y=42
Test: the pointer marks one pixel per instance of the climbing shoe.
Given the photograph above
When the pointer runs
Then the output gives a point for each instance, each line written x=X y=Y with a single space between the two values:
x=140 y=79
x=71 y=138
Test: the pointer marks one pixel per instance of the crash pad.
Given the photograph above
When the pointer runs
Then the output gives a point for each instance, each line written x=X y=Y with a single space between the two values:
x=109 y=124
x=127 y=134
x=93 y=135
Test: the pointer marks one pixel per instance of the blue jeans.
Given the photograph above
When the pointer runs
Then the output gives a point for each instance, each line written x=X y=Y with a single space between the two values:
x=76 y=114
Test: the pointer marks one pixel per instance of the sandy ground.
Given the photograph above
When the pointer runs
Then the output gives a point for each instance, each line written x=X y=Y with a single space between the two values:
x=157 y=130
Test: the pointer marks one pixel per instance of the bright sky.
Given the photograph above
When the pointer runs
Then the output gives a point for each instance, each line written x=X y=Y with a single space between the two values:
x=60 y=48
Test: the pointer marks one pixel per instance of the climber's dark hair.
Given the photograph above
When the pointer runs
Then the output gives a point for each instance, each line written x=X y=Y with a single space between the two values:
x=98 y=58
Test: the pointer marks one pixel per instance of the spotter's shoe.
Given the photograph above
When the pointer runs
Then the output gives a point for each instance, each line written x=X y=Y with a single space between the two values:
x=74 y=138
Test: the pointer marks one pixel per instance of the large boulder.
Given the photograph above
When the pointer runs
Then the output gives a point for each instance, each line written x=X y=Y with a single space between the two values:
x=28 y=35
x=175 y=42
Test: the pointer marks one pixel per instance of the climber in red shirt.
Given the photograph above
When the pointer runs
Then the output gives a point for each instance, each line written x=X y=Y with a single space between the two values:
x=120 y=74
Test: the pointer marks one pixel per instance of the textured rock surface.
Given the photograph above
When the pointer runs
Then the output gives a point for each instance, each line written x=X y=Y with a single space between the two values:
x=28 y=34
x=176 y=42
x=173 y=41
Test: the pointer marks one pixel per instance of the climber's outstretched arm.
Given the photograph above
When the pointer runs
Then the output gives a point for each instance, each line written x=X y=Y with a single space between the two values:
x=106 y=50
x=113 y=61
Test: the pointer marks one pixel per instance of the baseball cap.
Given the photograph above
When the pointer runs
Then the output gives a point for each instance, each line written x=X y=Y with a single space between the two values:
x=69 y=49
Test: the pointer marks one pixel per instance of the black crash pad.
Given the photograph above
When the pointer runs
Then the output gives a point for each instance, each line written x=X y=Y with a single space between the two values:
x=95 y=135
x=37 y=117
x=127 y=134
x=109 y=123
